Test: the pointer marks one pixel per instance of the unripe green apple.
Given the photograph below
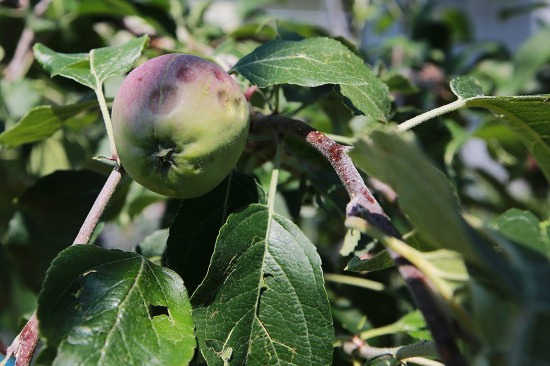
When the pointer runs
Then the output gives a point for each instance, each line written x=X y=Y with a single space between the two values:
x=179 y=124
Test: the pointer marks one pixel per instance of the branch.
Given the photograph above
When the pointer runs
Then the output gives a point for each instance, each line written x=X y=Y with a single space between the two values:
x=97 y=209
x=363 y=204
x=24 y=345
x=22 y=58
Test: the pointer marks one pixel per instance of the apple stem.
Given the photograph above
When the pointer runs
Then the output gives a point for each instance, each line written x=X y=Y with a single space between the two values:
x=363 y=204
x=106 y=120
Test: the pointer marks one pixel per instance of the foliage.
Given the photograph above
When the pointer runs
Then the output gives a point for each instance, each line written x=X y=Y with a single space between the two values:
x=277 y=265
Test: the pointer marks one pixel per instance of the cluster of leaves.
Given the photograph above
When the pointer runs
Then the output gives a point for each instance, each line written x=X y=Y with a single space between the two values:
x=247 y=258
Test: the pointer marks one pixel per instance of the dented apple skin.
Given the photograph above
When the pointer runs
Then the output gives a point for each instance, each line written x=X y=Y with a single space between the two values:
x=179 y=124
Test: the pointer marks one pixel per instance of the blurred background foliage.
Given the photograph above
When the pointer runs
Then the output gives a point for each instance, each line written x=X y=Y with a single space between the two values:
x=415 y=46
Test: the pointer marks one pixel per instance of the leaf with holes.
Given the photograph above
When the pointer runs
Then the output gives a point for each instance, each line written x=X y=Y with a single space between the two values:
x=92 y=68
x=108 y=307
x=314 y=62
x=263 y=300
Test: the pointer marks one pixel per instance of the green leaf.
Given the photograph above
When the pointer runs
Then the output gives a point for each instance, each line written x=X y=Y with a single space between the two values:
x=106 y=307
x=412 y=324
x=314 y=62
x=194 y=230
x=41 y=122
x=92 y=68
x=523 y=227
x=116 y=60
x=153 y=246
x=527 y=116
x=381 y=260
x=528 y=60
x=263 y=300
x=74 y=66
x=47 y=218
x=111 y=7
x=466 y=87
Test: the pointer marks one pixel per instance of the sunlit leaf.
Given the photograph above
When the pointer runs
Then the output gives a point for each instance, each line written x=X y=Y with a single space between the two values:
x=263 y=300
x=143 y=316
x=92 y=68
x=314 y=62
x=527 y=116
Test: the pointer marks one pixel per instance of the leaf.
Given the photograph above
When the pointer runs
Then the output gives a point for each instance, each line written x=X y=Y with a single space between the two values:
x=153 y=246
x=528 y=60
x=317 y=61
x=74 y=66
x=41 y=122
x=527 y=116
x=106 y=307
x=111 y=7
x=194 y=230
x=412 y=324
x=263 y=299
x=381 y=260
x=466 y=87
x=524 y=227
x=384 y=360
x=47 y=218
x=116 y=60
x=92 y=68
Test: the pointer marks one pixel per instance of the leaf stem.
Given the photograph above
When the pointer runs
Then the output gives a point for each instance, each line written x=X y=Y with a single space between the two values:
x=354 y=281
x=415 y=121
x=106 y=120
x=274 y=179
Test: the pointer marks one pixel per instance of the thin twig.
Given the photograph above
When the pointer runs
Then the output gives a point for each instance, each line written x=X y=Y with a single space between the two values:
x=22 y=58
x=97 y=209
x=363 y=204
x=24 y=345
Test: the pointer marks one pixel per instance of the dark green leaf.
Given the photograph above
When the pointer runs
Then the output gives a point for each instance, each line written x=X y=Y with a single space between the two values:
x=263 y=300
x=48 y=217
x=153 y=246
x=112 y=7
x=380 y=261
x=91 y=69
x=314 y=62
x=523 y=227
x=384 y=360
x=412 y=324
x=107 y=307
x=41 y=122
x=194 y=231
